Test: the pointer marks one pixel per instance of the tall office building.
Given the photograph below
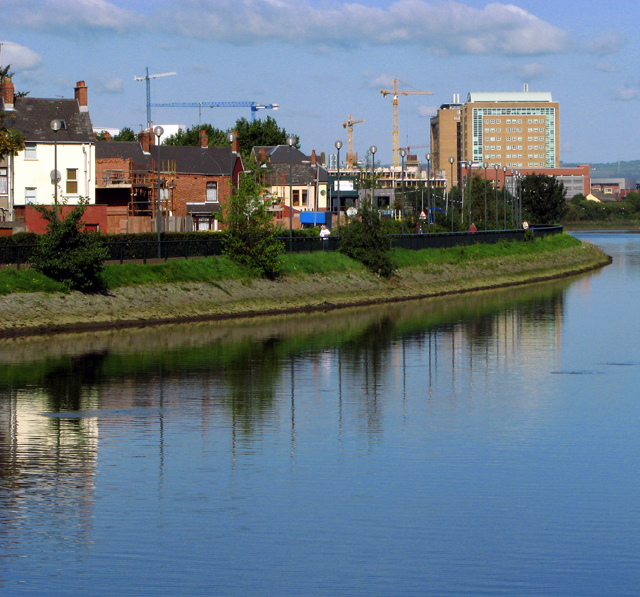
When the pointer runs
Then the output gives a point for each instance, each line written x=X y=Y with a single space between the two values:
x=507 y=130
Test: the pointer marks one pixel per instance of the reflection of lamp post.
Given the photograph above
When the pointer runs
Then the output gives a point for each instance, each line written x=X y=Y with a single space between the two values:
x=485 y=166
x=290 y=142
x=403 y=154
x=56 y=125
x=158 y=131
x=373 y=150
x=451 y=160
x=428 y=158
x=338 y=145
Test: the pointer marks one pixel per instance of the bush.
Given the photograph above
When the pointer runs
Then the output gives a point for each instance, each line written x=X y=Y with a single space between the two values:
x=365 y=239
x=66 y=253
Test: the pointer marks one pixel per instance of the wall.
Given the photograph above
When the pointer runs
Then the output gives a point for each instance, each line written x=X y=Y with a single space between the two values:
x=33 y=222
x=37 y=173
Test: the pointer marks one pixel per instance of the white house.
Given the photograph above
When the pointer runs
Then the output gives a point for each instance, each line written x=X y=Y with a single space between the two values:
x=28 y=176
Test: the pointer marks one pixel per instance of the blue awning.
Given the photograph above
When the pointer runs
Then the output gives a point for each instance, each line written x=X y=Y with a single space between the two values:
x=313 y=217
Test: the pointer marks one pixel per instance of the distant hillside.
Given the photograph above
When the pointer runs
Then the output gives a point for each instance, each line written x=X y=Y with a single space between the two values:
x=613 y=170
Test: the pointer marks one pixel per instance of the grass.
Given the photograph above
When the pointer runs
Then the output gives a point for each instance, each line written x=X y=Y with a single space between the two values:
x=216 y=269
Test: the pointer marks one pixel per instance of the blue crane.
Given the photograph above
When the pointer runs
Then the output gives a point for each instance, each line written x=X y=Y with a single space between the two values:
x=255 y=106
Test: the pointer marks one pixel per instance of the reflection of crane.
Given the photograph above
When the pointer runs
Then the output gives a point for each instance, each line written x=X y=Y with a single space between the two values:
x=349 y=126
x=147 y=78
x=255 y=106
x=396 y=92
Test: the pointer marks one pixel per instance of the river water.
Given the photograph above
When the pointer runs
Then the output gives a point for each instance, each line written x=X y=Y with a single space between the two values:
x=474 y=445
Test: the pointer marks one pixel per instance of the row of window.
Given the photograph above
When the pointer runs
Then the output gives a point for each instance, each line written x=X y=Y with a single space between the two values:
x=513 y=121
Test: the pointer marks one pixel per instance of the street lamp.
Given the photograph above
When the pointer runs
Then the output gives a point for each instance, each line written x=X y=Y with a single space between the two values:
x=373 y=150
x=56 y=125
x=428 y=158
x=338 y=145
x=485 y=166
x=158 y=131
x=451 y=160
x=290 y=142
x=504 y=197
x=496 y=168
x=403 y=154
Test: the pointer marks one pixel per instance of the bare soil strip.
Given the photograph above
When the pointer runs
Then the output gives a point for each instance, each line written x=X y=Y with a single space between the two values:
x=43 y=314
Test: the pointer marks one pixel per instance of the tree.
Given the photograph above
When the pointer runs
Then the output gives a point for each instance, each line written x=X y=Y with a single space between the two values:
x=66 y=253
x=366 y=240
x=260 y=133
x=543 y=199
x=11 y=141
x=250 y=237
x=191 y=136
x=125 y=134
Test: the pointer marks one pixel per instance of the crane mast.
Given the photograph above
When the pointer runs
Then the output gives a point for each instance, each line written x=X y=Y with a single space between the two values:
x=396 y=92
x=148 y=78
x=349 y=126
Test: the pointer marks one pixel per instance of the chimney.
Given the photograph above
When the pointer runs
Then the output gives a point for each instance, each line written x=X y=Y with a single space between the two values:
x=7 y=93
x=146 y=139
x=82 y=95
x=313 y=157
x=235 y=146
x=204 y=140
x=262 y=155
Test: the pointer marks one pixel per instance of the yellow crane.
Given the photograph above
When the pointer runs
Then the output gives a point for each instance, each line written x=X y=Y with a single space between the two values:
x=349 y=126
x=396 y=92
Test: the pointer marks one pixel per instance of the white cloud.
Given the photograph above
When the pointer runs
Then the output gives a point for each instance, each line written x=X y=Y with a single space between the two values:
x=524 y=72
x=606 y=67
x=110 y=86
x=18 y=56
x=427 y=111
x=604 y=43
x=69 y=16
x=446 y=27
x=625 y=94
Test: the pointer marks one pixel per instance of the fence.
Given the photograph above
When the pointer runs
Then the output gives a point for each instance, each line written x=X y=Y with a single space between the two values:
x=143 y=251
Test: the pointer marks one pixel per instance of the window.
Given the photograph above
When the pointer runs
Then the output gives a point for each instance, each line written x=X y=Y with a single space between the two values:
x=296 y=197
x=30 y=151
x=30 y=195
x=72 y=181
x=212 y=192
x=4 y=187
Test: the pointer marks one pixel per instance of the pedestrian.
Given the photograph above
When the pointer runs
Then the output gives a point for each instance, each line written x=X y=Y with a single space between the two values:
x=472 y=228
x=325 y=233
x=525 y=225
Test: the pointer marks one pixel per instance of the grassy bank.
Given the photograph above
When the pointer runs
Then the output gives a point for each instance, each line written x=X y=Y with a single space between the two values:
x=216 y=288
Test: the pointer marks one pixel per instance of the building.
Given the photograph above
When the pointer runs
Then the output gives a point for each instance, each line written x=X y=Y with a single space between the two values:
x=612 y=189
x=26 y=178
x=508 y=130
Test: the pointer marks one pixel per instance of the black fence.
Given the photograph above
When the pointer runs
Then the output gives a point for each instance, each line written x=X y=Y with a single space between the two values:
x=144 y=251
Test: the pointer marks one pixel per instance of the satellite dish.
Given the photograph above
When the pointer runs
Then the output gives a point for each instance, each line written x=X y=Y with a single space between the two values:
x=55 y=176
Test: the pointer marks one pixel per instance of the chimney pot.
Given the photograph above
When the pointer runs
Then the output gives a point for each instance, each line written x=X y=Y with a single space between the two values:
x=82 y=96
x=313 y=157
x=7 y=93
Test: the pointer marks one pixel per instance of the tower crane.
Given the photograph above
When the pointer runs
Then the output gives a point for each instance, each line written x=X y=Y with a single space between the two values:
x=396 y=92
x=349 y=126
x=148 y=78
x=255 y=106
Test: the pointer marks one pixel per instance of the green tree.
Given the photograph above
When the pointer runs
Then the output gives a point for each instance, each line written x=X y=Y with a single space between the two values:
x=250 y=237
x=260 y=132
x=366 y=240
x=543 y=199
x=191 y=136
x=11 y=141
x=125 y=134
x=66 y=253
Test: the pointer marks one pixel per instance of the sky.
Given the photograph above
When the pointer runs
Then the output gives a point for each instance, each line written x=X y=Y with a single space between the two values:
x=322 y=61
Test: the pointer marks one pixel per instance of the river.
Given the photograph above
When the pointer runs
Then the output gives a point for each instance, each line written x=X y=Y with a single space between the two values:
x=472 y=445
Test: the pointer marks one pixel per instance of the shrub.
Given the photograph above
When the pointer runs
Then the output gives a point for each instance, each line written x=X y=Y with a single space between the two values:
x=67 y=254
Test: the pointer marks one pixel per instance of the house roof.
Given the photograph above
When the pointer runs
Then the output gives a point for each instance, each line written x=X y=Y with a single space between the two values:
x=279 y=154
x=32 y=117
x=521 y=96
x=187 y=159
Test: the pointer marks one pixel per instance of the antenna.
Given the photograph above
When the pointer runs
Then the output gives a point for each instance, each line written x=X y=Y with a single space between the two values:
x=147 y=78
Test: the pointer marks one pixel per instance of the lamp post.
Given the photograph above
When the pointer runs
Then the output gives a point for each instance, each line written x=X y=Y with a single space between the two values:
x=338 y=145
x=451 y=160
x=373 y=150
x=428 y=158
x=403 y=154
x=485 y=166
x=495 y=166
x=56 y=125
x=470 y=179
x=158 y=131
x=504 y=197
x=290 y=142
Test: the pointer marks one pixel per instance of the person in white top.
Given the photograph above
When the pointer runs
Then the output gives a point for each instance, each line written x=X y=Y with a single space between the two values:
x=324 y=235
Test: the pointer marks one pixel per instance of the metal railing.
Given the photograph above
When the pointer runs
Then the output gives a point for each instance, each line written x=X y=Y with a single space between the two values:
x=144 y=251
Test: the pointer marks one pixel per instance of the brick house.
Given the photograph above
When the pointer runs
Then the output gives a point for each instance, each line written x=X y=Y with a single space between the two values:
x=195 y=183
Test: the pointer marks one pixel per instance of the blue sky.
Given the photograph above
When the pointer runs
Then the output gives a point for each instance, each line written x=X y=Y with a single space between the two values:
x=323 y=60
